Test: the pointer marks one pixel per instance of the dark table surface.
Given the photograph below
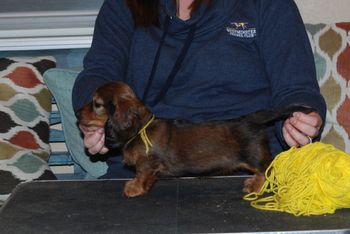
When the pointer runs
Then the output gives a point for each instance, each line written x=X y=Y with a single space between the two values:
x=190 y=205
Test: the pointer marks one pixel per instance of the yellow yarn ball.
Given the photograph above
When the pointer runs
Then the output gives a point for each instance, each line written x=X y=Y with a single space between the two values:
x=311 y=180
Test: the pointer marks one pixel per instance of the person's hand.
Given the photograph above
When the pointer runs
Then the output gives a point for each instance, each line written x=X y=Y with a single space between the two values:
x=94 y=139
x=301 y=128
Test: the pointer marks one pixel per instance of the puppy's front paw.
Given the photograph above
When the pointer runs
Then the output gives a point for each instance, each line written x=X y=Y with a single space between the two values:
x=133 y=188
x=253 y=184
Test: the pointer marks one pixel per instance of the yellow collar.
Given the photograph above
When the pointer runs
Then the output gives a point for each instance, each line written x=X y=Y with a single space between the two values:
x=143 y=134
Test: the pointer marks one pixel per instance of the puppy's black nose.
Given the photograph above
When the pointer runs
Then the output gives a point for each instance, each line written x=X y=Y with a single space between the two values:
x=111 y=140
x=110 y=108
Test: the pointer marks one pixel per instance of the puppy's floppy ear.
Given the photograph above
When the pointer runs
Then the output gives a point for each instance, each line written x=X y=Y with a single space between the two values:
x=129 y=98
x=124 y=108
x=129 y=109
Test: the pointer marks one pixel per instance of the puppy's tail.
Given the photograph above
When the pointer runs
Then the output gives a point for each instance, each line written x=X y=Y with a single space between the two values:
x=269 y=116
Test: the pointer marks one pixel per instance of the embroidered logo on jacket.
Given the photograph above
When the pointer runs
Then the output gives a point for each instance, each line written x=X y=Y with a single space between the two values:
x=241 y=29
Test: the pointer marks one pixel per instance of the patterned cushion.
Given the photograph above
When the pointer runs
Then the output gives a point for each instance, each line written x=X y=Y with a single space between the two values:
x=331 y=47
x=25 y=106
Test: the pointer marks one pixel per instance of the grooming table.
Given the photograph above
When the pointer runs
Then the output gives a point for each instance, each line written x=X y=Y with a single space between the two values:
x=187 y=205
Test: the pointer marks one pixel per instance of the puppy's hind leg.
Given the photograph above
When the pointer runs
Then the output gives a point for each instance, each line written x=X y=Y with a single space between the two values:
x=255 y=183
x=257 y=165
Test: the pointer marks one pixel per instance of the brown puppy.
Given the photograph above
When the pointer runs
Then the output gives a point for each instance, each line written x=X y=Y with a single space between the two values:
x=159 y=147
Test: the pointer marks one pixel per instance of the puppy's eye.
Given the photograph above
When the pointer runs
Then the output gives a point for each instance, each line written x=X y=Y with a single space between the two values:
x=98 y=106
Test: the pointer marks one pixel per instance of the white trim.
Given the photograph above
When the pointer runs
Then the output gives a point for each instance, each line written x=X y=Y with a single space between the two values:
x=41 y=43
x=62 y=169
x=53 y=32
x=62 y=24
x=35 y=14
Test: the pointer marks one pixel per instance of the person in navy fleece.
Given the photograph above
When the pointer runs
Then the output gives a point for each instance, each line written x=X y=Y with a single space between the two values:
x=202 y=60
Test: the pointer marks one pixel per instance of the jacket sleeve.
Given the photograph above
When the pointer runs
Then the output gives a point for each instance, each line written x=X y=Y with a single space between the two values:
x=289 y=61
x=107 y=58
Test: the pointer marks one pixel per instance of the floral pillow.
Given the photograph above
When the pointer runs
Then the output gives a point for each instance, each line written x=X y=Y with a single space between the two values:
x=25 y=106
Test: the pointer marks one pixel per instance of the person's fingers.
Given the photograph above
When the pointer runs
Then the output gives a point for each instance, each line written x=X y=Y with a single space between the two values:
x=98 y=147
x=88 y=129
x=104 y=150
x=307 y=124
x=296 y=135
x=287 y=137
x=95 y=141
x=91 y=139
x=313 y=118
x=300 y=129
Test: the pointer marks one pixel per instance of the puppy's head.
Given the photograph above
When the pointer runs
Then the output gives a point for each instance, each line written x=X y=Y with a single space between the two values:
x=116 y=108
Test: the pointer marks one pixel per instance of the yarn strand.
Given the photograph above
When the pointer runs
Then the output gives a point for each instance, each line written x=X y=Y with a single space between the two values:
x=311 y=180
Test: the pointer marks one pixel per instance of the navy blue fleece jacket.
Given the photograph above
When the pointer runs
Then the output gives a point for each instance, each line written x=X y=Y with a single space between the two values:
x=245 y=55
